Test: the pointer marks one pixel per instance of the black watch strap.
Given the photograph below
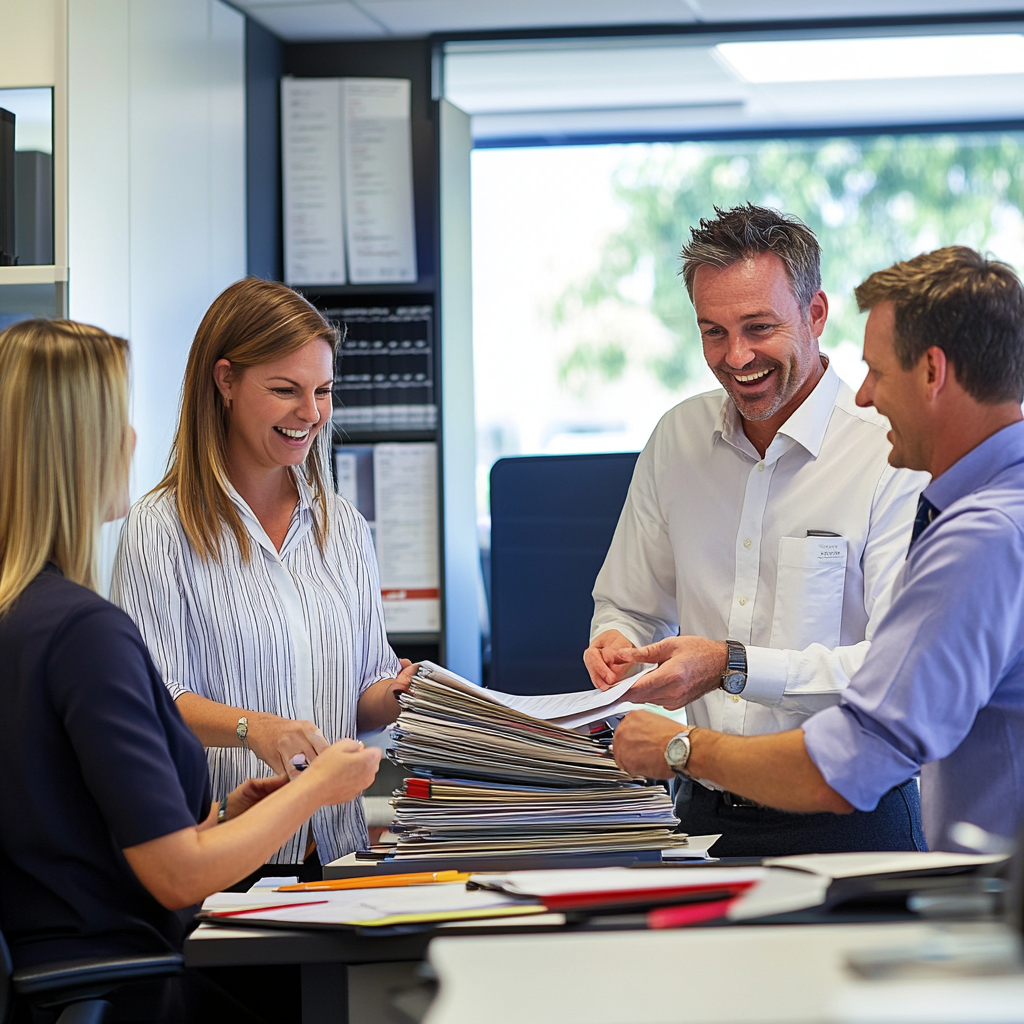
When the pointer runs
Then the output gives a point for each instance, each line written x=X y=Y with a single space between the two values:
x=737 y=657
x=734 y=679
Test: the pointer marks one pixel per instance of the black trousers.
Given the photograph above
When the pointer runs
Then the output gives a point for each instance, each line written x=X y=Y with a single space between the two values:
x=895 y=824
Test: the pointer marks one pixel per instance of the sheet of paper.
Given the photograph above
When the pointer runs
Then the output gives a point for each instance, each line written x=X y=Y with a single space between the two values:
x=405 y=500
x=597 y=880
x=696 y=848
x=314 y=250
x=360 y=905
x=780 y=892
x=377 y=146
x=853 y=865
x=579 y=707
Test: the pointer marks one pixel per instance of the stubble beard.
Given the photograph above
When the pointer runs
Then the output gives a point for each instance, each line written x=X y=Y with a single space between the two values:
x=786 y=386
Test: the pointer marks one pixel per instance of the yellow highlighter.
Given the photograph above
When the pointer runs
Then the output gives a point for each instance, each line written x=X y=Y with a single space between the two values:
x=377 y=881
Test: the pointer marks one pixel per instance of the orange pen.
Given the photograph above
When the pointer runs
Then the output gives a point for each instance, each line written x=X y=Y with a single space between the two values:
x=377 y=881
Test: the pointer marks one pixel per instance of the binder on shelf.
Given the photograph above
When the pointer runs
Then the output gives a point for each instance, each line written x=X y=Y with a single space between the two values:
x=394 y=487
x=347 y=176
x=384 y=379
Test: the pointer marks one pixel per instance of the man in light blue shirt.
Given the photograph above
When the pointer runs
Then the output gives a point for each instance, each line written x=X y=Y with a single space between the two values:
x=942 y=689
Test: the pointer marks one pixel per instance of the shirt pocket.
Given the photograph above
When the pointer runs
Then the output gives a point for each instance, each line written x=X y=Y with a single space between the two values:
x=809 y=592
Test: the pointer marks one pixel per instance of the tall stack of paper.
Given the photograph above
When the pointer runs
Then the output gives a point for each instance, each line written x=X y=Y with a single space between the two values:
x=493 y=779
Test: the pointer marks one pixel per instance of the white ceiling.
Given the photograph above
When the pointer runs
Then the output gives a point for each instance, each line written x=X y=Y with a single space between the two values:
x=297 y=20
x=662 y=85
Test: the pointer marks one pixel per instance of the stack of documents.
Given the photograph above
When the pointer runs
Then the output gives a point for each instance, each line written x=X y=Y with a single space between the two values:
x=499 y=774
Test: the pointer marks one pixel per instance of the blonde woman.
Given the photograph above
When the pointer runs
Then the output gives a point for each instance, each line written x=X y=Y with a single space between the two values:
x=104 y=786
x=255 y=585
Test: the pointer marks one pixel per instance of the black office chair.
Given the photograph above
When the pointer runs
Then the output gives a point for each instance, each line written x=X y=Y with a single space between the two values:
x=76 y=987
x=552 y=519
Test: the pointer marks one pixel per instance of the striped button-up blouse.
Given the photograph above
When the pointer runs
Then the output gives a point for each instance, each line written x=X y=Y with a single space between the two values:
x=296 y=632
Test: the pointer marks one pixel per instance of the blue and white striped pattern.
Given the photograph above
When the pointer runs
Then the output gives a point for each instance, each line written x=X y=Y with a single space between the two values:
x=295 y=633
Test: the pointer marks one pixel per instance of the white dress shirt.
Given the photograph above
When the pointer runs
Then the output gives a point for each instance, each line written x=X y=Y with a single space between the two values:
x=713 y=541
x=296 y=633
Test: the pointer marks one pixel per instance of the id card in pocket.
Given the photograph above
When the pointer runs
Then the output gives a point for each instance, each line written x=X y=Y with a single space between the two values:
x=809 y=591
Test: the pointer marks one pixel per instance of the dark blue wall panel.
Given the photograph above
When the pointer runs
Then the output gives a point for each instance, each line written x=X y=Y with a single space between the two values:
x=263 y=56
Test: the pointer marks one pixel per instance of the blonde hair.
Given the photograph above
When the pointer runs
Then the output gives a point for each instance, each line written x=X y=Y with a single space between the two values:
x=249 y=323
x=67 y=448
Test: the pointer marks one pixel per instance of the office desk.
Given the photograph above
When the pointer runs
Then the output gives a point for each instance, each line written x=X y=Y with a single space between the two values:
x=738 y=975
x=344 y=976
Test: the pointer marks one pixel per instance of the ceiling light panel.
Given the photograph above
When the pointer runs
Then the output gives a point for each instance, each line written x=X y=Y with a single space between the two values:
x=865 y=59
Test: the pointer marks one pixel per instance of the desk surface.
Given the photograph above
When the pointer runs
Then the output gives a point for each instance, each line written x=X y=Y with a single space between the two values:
x=214 y=946
x=794 y=974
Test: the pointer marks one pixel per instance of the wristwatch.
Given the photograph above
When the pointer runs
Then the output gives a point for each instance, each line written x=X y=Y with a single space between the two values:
x=242 y=730
x=677 y=753
x=734 y=679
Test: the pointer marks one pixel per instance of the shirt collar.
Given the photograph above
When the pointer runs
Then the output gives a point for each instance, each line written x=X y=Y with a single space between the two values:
x=806 y=426
x=978 y=466
x=303 y=512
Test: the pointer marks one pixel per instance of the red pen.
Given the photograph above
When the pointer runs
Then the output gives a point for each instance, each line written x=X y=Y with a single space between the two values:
x=256 y=910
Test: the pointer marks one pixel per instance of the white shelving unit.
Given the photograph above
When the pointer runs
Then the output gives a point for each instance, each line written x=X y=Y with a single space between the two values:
x=42 y=274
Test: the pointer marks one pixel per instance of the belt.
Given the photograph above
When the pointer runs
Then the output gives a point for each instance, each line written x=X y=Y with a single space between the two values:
x=733 y=800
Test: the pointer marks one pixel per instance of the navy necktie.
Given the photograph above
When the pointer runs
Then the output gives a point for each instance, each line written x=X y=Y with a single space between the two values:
x=926 y=512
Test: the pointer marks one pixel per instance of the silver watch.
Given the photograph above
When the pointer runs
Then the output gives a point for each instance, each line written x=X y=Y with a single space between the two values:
x=734 y=679
x=242 y=731
x=677 y=753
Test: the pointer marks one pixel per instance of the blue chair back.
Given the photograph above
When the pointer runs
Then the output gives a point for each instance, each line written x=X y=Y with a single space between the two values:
x=552 y=519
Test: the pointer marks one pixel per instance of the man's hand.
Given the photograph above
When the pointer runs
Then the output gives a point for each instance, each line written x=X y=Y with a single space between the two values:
x=275 y=741
x=688 y=667
x=640 y=741
x=605 y=669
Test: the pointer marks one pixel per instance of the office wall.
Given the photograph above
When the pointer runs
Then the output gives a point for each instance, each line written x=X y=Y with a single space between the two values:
x=156 y=157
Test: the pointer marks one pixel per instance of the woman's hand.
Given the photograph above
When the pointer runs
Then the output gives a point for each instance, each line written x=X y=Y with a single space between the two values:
x=378 y=705
x=242 y=797
x=343 y=771
x=184 y=867
x=250 y=793
x=276 y=741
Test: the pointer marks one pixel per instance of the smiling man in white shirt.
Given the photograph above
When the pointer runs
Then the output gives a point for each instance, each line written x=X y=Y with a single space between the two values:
x=765 y=526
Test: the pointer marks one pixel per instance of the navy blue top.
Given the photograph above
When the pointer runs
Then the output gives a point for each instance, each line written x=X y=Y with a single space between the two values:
x=94 y=758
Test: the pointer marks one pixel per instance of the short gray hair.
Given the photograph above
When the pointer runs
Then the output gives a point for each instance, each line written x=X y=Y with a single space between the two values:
x=747 y=231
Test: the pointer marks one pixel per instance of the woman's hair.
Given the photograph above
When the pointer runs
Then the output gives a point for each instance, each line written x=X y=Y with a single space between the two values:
x=67 y=448
x=249 y=323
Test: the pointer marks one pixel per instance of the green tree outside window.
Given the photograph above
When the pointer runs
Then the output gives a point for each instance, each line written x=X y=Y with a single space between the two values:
x=871 y=200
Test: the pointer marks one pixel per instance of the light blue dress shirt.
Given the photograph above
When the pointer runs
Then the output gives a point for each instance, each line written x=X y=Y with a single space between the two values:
x=941 y=690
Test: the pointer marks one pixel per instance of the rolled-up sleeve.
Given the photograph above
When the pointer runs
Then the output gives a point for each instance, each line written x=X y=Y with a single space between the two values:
x=950 y=635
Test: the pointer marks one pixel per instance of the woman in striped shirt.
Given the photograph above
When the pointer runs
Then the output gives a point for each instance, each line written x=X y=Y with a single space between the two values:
x=254 y=585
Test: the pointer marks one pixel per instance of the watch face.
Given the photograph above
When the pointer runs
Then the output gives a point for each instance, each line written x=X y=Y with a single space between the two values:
x=733 y=682
x=677 y=751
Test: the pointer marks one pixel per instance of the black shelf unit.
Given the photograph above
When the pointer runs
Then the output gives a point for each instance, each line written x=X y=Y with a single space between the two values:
x=267 y=60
